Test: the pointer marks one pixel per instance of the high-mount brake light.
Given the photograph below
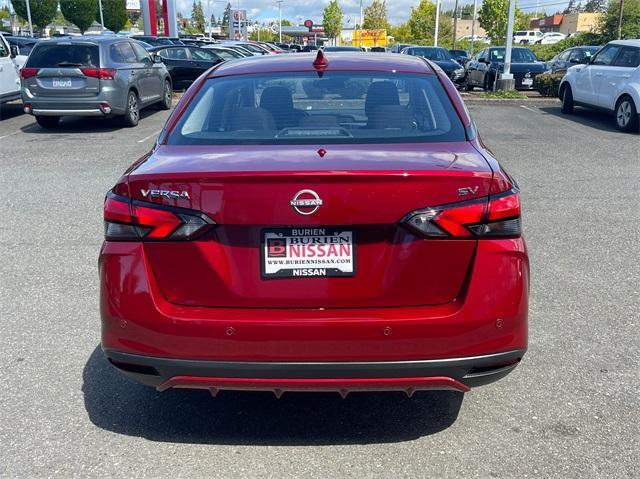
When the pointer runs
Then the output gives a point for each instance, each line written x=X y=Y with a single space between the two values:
x=132 y=220
x=495 y=216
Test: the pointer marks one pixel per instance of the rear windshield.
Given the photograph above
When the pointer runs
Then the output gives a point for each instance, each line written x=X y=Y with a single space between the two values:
x=64 y=55
x=435 y=54
x=301 y=108
x=518 y=55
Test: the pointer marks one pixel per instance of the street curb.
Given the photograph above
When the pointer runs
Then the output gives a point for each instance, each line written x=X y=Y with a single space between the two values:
x=511 y=101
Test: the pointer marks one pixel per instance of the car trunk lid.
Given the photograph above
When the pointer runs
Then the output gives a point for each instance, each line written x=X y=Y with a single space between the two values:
x=364 y=191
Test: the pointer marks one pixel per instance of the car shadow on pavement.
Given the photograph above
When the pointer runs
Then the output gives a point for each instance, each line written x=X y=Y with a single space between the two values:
x=257 y=418
x=10 y=110
x=584 y=116
x=79 y=124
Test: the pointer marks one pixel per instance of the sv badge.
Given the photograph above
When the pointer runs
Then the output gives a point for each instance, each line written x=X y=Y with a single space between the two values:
x=467 y=190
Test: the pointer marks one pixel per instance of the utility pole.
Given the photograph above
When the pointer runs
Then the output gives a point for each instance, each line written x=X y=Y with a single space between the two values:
x=473 y=24
x=101 y=16
x=455 y=23
x=620 y=15
x=361 y=21
x=506 y=79
x=29 y=18
x=435 y=40
x=279 y=2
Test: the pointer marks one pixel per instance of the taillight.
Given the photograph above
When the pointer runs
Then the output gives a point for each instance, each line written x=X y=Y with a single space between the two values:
x=132 y=220
x=495 y=216
x=101 y=73
x=28 y=72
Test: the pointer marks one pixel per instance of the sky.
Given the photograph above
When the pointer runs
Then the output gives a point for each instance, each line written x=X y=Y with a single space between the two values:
x=299 y=10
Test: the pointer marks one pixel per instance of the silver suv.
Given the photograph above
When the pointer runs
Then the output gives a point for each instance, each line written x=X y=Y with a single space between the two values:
x=92 y=76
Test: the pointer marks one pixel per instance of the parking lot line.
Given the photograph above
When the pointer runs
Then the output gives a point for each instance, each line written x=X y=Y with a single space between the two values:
x=150 y=136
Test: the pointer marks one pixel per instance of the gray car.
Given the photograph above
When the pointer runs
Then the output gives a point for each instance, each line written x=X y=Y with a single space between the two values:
x=92 y=76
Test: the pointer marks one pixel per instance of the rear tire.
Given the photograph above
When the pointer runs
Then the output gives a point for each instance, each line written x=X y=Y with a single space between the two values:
x=132 y=111
x=167 y=93
x=567 y=100
x=48 y=122
x=626 y=115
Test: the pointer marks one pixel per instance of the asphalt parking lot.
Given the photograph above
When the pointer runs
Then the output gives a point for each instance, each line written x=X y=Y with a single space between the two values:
x=571 y=409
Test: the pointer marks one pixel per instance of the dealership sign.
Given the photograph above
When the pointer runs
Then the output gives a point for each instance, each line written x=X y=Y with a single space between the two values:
x=238 y=25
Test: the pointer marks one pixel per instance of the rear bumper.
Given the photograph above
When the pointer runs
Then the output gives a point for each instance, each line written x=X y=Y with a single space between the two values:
x=458 y=374
x=67 y=112
x=482 y=331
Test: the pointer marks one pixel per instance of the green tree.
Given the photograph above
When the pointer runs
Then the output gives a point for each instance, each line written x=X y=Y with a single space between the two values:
x=114 y=13
x=595 y=6
x=81 y=13
x=42 y=11
x=375 y=16
x=197 y=16
x=608 y=25
x=422 y=24
x=493 y=18
x=226 y=18
x=332 y=19
x=401 y=33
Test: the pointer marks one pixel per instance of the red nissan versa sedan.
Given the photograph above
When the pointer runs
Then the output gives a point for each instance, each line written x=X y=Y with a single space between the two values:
x=316 y=223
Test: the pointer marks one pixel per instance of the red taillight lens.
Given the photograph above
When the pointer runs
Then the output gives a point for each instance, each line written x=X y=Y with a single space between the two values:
x=101 y=73
x=133 y=220
x=28 y=72
x=496 y=216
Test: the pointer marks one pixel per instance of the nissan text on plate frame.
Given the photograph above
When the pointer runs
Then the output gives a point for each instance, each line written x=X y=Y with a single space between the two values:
x=316 y=222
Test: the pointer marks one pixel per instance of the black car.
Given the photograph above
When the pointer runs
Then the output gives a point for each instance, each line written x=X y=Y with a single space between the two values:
x=484 y=68
x=442 y=58
x=342 y=49
x=310 y=48
x=186 y=63
x=461 y=56
x=571 y=56
x=398 y=47
x=23 y=44
x=153 y=40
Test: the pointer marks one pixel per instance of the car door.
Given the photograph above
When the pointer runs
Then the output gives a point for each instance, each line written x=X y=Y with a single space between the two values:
x=473 y=68
x=9 y=80
x=617 y=76
x=126 y=62
x=203 y=59
x=179 y=64
x=588 y=78
x=153 y=73
x=560 y=62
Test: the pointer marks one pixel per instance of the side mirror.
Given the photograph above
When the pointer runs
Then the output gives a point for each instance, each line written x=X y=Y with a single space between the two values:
x=585 y=60
x=14 y=51
x=483 y=60
x=574 y=61
x=156 y=59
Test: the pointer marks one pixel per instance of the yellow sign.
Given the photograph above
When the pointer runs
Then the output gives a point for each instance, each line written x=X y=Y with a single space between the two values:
x=369 y=38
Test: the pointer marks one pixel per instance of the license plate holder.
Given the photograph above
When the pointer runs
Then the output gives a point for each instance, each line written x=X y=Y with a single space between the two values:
x=305 y=252
x=62 y=83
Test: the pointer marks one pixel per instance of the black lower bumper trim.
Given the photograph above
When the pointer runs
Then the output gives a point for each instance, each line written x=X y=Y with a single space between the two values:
x=472 y=371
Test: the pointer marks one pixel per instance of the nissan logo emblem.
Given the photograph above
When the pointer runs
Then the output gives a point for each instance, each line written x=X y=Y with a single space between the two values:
x=306 y=202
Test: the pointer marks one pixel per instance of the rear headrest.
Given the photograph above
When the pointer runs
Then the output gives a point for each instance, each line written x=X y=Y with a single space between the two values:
x=391 y=116
x=252 y=119
x=276 y=98
x=380 y=93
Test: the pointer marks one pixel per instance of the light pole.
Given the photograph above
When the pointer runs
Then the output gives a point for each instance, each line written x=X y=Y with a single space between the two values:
x=279 y=2
x=29 y=18
x=101 y=16
x=506 y=79
x=435 y=40
x=473 y=24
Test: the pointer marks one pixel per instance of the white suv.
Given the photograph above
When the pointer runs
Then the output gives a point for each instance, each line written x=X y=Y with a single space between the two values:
x=610 y=81
x=527 y=36
x=9 y=79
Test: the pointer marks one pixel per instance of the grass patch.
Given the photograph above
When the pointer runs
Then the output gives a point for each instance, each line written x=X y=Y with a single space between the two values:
x=503 y=95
